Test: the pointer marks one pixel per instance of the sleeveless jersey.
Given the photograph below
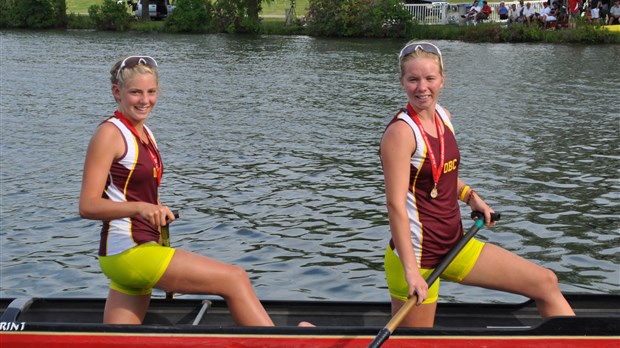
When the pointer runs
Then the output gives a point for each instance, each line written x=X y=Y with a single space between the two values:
x=131 y=179
x=435 y=223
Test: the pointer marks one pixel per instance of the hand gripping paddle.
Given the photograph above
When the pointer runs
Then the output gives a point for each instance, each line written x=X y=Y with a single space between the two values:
x=385 y=333
x=165 y=241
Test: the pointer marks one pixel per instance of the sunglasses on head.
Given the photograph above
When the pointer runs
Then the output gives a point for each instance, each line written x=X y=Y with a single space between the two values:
x=423 y=46
x=133 y=61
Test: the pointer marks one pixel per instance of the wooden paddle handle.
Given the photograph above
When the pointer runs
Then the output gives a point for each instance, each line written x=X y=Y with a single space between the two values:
x=165 y=241
x=165 y=231
x=165 y=236
x=402 y=313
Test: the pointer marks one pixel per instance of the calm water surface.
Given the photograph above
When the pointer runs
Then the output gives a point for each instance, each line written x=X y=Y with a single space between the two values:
x=270 y=145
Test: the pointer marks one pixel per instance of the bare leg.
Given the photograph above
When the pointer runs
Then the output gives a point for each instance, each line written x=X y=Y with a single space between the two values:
x=125 y=309
x=419 y=316
x=500 y=269
x=196 y=274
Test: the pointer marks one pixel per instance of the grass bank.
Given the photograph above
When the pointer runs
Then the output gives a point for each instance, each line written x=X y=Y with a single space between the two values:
x=273 y=8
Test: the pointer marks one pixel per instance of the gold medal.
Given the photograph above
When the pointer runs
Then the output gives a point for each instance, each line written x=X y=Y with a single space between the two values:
x=434 y=192
x=436 y=168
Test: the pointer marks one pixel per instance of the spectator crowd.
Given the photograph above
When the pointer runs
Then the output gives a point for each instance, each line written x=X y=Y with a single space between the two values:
x=554 y=13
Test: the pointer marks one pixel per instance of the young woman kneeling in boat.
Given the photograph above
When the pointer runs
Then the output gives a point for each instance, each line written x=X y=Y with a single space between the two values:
x=122 y=173
x=420 y=159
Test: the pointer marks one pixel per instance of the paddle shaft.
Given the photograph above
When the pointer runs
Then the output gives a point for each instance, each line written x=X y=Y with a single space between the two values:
x=389 y=328
x=165 y=241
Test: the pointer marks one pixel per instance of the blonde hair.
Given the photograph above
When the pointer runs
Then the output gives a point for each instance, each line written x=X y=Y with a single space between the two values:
x=416 y=54
x=128 y=73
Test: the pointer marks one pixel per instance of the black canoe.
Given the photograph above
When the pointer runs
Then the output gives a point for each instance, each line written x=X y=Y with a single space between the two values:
x=67 y=322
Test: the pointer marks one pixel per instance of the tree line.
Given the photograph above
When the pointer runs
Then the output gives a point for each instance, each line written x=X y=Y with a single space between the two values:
x=336 y=18
x=359 y=18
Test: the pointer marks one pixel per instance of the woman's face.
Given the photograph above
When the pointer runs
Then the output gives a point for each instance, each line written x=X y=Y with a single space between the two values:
x=422 y=81
x=137 y=96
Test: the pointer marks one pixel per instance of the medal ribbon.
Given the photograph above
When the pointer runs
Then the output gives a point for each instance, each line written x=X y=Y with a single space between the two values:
x=152 y=151
x=437 y=169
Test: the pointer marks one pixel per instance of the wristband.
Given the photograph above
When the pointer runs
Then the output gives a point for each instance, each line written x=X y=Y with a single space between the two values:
x=464 y=192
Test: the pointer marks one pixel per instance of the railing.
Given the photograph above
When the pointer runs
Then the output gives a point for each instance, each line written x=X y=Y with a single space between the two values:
x=436 y=13
x=444 y=13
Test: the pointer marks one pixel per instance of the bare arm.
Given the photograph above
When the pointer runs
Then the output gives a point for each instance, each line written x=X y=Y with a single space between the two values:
x=105 y=146
x=397 y=146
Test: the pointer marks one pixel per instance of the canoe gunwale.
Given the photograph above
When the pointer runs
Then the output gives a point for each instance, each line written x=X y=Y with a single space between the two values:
x=600 y=318
x=556 y=326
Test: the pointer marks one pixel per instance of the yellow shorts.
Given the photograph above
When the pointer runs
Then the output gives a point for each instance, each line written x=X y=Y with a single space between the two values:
x=135 y=271
x=456 y=271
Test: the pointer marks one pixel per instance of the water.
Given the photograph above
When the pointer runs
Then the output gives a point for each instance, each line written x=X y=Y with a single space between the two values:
x=270 y=145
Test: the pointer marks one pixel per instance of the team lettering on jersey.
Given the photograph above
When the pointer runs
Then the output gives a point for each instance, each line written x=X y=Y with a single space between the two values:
x=450 y=166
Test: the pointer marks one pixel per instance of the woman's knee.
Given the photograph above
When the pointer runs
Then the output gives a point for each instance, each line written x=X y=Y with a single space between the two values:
x=238 y=273
x=237 y=283
x=238 y=276
x=548 y=281
x=551 y=278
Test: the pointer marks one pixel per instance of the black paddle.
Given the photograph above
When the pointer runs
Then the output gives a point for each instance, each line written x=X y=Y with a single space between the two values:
x=165 y=241
x=385 y=333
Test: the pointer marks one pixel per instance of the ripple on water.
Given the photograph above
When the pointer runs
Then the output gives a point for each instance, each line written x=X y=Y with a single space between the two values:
x=270 y=146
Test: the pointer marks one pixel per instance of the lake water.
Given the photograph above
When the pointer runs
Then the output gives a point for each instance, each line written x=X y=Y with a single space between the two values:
x=270 y=145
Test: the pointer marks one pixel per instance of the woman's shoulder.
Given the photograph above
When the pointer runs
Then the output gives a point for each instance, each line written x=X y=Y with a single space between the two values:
x=398 y=126
x=107 y=131
x=398 y=136
x=444 y=110
x=108 y=125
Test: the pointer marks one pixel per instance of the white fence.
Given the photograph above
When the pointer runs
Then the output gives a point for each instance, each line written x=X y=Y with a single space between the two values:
x=444 y=13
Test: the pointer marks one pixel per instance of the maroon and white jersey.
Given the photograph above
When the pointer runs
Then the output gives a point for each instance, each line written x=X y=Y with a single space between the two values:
x=132 y=178
x=435 y=223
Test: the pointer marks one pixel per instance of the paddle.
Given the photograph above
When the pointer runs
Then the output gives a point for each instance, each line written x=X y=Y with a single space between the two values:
x=165 y=241
x=385 y=333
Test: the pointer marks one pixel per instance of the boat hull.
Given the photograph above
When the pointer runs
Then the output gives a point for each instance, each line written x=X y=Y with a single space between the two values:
x=105 y=340
x=52 y=323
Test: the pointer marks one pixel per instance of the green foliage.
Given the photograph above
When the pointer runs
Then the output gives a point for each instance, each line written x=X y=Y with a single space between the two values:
x=237 y=16
x=60 y=13
x=6 y=14
x=277 y=26
x=494 y=32
x=586 y=33
x=358 y=18
x=35 y=14
x=191 y=16
x=249 y=25
x=110 y=16
x=325 y=17
x=532 y=34
x=205 y=16
x=75 y=21
x=227 y=15
x=398 y=21
x=349 y=18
